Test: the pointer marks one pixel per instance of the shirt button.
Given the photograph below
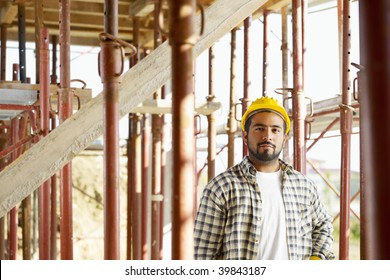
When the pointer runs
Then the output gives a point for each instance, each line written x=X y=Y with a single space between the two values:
x=256 y=240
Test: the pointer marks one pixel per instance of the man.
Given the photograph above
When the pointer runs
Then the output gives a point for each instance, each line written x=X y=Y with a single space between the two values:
x=262 y=208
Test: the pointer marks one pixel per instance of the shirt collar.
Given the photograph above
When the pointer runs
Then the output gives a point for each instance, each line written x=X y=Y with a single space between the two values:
x=248 y=167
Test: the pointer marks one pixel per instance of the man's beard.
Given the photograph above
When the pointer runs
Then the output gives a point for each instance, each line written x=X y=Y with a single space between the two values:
x=266 y=155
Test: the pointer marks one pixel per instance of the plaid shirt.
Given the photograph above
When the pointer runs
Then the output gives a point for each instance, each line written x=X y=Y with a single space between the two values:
x=228 y=222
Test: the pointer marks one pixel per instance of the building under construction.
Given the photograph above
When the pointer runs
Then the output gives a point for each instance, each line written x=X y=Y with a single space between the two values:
x=146 y=66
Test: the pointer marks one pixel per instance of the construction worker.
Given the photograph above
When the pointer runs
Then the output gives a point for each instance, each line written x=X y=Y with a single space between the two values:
x=262 y=208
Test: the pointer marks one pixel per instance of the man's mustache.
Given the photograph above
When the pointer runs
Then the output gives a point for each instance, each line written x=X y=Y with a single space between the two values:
x=267 y=143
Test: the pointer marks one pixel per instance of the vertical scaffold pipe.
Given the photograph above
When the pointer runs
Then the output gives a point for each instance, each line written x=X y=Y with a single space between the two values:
x=265 y=51
x=247 y=82
x=136 y=165
x=22 y=40
x=13 y=214
x=233 y=96
x=285 y=58
x=212 y=130
x=346 y=131
x=157 y=196
x=65 y=111
x=136 y=188
x=298 y=98
x=111 y=63
x=2 y=161
x=182 y=38
x=53 y=184
x=3 y=51
x=375 y=100
x=44 y=190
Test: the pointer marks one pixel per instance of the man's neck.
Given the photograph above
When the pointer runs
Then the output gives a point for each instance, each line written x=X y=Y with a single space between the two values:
x=266 y=166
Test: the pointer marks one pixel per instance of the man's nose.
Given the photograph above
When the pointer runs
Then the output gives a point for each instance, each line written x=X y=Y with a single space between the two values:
x=267 y=134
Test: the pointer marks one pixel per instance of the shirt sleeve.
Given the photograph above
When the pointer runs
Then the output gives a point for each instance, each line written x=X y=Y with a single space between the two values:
x=209 y=225
x=322 y=229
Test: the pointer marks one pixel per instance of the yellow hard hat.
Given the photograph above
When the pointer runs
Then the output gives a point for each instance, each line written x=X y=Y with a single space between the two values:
x=266 y=104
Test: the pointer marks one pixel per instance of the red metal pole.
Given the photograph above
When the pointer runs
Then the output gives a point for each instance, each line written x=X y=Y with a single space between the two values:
x=13 y=222
x=13 y=215
x=232 y=108
x=3 y=50
x=53 y=207
x=212 y=130
x=298 y=98
x=265 y=51
x=131 y=160
x=157 y=197
x=181 y=38
x=65 y=111
x=110 y=62
x=245 y=100
x=375 y=108
x=53 y=219
x=145 y=184
x=3 y=143
x=345 y=130
x=136 y=195
x=163 y=164
x=44 y=190
x=285 y=58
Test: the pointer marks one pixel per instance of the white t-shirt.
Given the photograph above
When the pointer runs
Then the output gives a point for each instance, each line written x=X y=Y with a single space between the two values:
x=273 y=241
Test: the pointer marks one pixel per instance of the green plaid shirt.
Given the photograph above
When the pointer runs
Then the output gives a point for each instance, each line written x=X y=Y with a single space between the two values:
x=230 y=215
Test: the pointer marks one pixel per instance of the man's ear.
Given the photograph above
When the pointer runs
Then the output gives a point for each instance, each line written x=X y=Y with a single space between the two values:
x=286 y=136
x=245 y=137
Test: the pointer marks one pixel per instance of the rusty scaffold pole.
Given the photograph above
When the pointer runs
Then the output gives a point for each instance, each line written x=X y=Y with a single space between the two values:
x=13 y=214
x=38 y=9
x=134 y=249
x=211 y=130
x=157 y=195
x=65 y=111
x=298 y=98
x=182 y=40
x=375 y=107
x=285 y=57
x=44 y=190
x=232 y=123
x=3 y=163
x=111 y=67
x=346 y=131
x=265 y=51
x=247 y=82
x=53 y=184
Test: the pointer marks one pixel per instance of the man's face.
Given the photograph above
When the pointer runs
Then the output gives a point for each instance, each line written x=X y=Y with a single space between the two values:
x=265 y=137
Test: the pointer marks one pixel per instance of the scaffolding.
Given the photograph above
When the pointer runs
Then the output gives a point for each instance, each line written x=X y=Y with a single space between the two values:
x=45 y=125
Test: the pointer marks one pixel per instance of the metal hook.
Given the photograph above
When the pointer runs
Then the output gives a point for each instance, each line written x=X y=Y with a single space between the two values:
x=160 y=18
x=106 y=36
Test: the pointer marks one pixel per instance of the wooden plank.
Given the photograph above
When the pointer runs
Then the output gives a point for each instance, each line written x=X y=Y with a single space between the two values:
x=8 y=13
x=164 y=106
x=141 y=8
x=51 y=153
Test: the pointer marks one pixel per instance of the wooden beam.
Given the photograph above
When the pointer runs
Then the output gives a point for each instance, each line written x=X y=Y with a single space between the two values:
x=8 y=12
x=164 y=106
x=275 y=5
x=51 y=153
x=141 y=8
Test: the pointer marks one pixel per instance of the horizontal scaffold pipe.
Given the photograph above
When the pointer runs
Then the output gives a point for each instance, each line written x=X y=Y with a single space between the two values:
x=51 y=153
